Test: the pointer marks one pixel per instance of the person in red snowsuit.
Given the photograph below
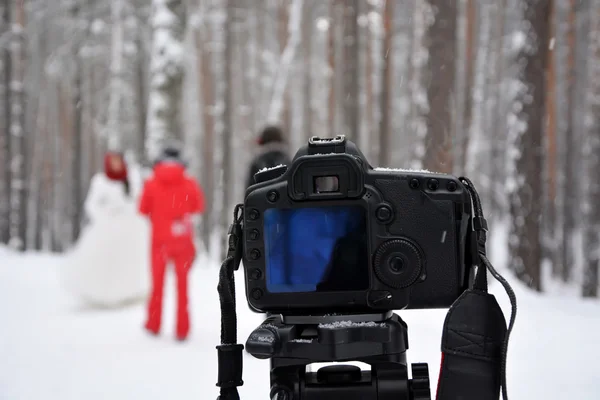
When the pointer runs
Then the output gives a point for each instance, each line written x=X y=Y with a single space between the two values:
x=169 y=198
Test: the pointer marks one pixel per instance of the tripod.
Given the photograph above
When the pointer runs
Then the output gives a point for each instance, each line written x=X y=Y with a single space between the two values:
x=379 y=340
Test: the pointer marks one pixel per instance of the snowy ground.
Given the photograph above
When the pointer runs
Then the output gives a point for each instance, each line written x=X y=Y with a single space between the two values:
x=52 y=350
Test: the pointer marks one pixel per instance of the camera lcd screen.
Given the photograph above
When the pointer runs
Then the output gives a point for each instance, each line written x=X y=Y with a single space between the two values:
x=316 y=249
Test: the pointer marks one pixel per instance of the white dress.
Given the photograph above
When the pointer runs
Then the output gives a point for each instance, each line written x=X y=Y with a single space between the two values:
x=109 y=266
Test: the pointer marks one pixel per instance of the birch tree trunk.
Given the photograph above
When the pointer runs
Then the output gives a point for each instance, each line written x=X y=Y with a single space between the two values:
x=286 y=63
x=117 y=82
x=477 y=157
x=166 y=75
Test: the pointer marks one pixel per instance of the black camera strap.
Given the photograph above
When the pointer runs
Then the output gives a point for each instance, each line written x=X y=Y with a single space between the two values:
x=229 y=352
x=475 y=336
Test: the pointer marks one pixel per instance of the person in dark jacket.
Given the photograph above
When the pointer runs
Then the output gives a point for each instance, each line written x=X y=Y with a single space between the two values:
x=273 y=152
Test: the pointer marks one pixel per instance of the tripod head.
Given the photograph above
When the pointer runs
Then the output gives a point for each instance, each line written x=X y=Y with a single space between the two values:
x=379 y=340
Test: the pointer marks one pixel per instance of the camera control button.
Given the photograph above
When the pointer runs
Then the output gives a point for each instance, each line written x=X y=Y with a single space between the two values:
x=379 y=298
x=256 y=274
x=398 y=263
x=254 y=234
x=254 y=254
x=257 y=294
x=253 y=214
x=273 y=196
x=433 y=184
x=384 y=213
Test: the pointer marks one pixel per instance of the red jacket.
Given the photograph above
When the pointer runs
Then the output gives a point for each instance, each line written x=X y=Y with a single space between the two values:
x=169 y=198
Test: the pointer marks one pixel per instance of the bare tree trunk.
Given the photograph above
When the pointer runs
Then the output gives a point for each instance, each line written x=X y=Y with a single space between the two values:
x=526 y=209
x=245 y=71
x=386 y=79
x=40 y=144
x=591 y=280
x=403 y=137
x=321 y=70
x=76 y=198
x=549 y=242
x=18 y=214
x=208 y=162
x=262 y=92
x=117 y=83
x=332 y=66
x=441 y=65
x=369 y=88
x=6 y=119
x=284 y=38
x=470 y=46
x=308 y=26
x=56 y=216
x=77 y=152
x=338 y=81
x=142 y=97
x=571 y=190
x=351 y=72
x=498 y=202
x=419 y=105
x=228 y=116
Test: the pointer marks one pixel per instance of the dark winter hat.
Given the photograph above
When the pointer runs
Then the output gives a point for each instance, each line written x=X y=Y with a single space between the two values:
x=271 y=134
x=171 y=153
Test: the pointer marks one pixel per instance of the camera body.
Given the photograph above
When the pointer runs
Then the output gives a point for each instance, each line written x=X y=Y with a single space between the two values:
x=331 y=234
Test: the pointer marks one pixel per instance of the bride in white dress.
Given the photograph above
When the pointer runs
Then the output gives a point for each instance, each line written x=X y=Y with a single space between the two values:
x=109 y=265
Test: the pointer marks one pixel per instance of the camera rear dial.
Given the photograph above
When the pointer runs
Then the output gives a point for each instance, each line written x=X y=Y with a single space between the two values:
x=398 y=263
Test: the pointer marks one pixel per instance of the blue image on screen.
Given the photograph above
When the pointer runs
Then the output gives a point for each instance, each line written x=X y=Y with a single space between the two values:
x=316 y=249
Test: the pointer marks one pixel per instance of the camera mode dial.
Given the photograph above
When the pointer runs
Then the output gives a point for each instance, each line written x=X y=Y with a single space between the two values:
x=398 y=263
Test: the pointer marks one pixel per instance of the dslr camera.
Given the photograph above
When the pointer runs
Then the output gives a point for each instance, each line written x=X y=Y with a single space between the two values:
x=329 y=234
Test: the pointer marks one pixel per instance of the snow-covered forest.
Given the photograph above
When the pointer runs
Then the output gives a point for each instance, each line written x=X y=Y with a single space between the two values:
x=506 y=92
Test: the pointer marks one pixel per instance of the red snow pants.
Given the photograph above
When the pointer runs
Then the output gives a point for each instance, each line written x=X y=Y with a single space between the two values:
x=182 y=256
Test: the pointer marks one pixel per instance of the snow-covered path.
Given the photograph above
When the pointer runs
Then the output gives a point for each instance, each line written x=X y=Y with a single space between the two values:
x=52 y=350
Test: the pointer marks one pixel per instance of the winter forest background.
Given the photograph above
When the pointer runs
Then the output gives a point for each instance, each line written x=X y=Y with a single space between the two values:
x=506 y=92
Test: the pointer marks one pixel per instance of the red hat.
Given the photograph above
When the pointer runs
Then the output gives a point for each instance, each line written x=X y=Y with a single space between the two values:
x=111 y=173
